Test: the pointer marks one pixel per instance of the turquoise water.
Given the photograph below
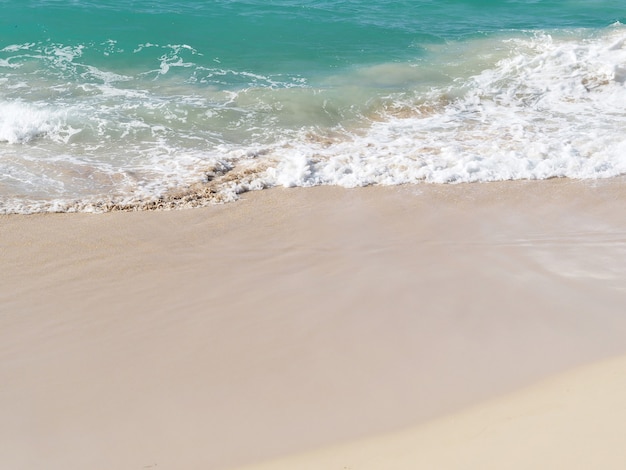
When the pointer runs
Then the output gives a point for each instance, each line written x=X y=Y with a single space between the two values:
x=131 y=104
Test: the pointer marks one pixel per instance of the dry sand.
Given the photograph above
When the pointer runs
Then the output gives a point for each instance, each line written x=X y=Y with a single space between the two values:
x=298 y=319
x=574 y=421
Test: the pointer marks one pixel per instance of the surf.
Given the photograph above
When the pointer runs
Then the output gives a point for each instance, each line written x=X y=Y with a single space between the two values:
x=127 y=120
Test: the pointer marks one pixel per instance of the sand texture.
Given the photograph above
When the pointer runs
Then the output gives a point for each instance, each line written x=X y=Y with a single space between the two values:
x=295 y=320
x=574 y=421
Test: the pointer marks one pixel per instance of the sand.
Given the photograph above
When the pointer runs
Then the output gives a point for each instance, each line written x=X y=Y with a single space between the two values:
x=296 y=320
x=574 y=421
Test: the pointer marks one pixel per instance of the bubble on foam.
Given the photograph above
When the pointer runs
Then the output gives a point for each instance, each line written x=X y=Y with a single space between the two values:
x=552 y=108
x=18 y=47
x=21 y=123
x=540 y=106
x=5 y=63
x=173 y=56
x=105 y=77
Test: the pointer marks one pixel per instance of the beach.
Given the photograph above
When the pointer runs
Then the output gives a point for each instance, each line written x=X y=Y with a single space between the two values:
x=346 y=328
x=574 y=420
x=318 y=234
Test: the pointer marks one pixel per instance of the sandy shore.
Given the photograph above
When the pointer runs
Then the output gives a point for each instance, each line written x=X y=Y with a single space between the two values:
x=295 y=320
x=574 y=421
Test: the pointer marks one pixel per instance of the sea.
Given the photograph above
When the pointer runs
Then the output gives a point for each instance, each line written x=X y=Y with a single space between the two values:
x=147 y=104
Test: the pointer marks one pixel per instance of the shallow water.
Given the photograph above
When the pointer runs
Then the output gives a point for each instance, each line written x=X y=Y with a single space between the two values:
x=135 y=105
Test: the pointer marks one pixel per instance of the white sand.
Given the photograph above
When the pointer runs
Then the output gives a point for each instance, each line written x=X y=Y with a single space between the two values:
x=574 y=421
x=295 y=320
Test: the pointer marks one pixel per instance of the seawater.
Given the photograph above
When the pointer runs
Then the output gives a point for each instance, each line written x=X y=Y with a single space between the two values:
x=142 y=104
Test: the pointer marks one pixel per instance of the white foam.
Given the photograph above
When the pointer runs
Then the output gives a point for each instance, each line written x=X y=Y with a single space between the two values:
x=18 y=47
x=20 y=123
x=105 y=76
x=172 y=57
x=555 y=107
x=6 y=64
x=541 y=106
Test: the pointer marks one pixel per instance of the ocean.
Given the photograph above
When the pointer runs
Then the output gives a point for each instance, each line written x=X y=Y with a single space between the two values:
x=136 y=104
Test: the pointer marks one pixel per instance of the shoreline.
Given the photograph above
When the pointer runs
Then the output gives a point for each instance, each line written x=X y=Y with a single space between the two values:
x=295 y=319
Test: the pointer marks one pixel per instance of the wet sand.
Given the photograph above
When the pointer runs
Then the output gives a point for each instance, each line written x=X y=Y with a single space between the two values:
x=295 y=320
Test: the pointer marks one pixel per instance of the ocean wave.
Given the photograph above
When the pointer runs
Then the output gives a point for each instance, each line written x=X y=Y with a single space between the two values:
x=22 y=123
x=518 y=105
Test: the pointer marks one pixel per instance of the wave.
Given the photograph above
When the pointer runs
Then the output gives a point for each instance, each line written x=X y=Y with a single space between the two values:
x=518 y=105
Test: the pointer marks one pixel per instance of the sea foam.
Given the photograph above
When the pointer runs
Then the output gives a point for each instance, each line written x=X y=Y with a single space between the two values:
x=525 y=105
x=554 y=107
x=21 y=123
